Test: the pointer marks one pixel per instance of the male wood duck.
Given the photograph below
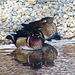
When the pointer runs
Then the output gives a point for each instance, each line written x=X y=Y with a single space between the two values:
x=36 y=58
x=36 y=39
x=32 y=35
x=33 y=39
x=46 y=25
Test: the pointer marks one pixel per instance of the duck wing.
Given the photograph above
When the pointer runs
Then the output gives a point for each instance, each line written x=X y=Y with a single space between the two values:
x=46 y=25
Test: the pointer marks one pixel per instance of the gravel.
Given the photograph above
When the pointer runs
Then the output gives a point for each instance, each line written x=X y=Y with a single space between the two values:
x=15 y=12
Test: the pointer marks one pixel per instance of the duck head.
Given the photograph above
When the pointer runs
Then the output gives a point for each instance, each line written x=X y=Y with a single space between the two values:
x=36 y=39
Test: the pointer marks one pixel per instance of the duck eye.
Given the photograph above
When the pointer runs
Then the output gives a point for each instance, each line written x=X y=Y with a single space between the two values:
x=32 y=32
x=36 y=33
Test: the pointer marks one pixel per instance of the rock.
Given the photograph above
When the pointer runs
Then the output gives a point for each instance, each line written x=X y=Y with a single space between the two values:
x=4 y=19
x=74 y=2
x=2 y=1
x=7 y=30
x=32 y=1
x=70 y=5
x=72 y=25
x=44 y=0
x=63 y=0
x=2 y=42
x=7 y=41
x=65 y=9
x=22 y=13
x=15 y=29
x=0 y=37
x=65 y=16
x=70 y=13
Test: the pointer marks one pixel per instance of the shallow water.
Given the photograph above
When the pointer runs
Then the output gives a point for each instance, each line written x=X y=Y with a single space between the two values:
x=64 y=64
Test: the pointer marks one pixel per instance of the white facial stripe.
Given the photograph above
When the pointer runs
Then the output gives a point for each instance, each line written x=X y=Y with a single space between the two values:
x=28 y=40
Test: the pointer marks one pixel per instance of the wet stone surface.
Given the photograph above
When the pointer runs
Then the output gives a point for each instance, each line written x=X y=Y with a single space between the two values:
x=64 y=64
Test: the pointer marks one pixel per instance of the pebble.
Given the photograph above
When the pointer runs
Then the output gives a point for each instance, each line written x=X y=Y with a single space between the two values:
x=32 y=1
x=74 y=2
x=65 y=16
x=15 y=12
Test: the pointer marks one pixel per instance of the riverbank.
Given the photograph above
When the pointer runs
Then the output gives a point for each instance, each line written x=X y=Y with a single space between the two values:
x=15 y=12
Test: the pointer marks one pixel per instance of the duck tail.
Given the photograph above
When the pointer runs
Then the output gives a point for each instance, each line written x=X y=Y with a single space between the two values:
x=10 y=38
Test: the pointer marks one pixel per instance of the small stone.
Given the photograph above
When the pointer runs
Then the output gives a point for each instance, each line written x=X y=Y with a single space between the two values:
x=31 y=1
x=65 y=16
x=0 y=37
x=7 y=41
x=65 y=8
x=7 y=30
x=2 y=42
x=70 y=17
x=17 y=0
x=58 y=25
x=56 y=0
x=74 y=2
x=74 y=34
x=44 y=0
x=4 y=19
x=22 y=14
x=9 y=2
x=72 y=25
x=63 y=0
x=72 y=29
x=57 y=19
x=70 y=5
x=70 y=13
x=15 y=29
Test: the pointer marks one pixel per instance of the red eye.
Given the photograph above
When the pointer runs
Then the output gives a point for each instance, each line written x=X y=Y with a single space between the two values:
x=32 y=32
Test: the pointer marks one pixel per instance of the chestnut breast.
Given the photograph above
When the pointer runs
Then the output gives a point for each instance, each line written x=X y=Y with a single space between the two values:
x=36 y=42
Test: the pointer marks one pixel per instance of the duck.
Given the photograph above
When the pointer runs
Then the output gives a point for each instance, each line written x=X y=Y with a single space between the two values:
x=36 y=58
x=33 y=39
x=46 y=25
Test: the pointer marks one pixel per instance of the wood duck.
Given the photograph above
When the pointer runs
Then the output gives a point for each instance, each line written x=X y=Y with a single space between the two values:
x=36 y=58
x=46 y=25
x=33 y=39
x=36 y=39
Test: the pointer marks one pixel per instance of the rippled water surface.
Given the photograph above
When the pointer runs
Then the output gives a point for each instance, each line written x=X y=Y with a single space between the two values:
x=64 y=64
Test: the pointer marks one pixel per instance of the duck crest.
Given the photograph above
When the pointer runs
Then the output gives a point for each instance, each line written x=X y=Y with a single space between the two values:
x=36 y=39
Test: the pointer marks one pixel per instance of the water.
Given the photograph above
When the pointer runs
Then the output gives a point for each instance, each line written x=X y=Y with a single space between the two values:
x=64 y=64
